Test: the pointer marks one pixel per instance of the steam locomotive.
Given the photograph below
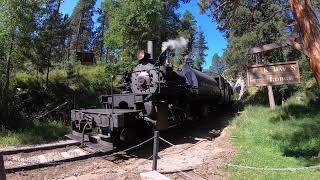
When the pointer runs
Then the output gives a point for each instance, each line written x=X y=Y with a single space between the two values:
x=155 y=96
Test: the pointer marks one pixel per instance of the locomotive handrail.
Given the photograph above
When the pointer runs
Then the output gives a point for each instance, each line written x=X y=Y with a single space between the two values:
x=144 y=70
x=120 y=74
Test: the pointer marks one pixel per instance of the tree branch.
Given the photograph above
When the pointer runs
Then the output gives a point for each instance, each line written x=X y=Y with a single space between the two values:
x=298 y=47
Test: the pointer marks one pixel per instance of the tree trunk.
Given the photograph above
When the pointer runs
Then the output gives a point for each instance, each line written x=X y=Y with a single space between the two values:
x=7 y=83
x=101 y=43
x=79 y=32
x=59 y=4
x=48 y=71
x=310 y=32
x=2 y=170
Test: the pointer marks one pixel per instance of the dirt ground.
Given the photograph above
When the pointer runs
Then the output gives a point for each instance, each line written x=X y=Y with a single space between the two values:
x=199 y=153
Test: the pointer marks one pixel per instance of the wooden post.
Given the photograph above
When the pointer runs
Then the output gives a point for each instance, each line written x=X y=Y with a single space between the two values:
x=271 y=97
x=2 y=170
x=155 y=150
x=65 y=119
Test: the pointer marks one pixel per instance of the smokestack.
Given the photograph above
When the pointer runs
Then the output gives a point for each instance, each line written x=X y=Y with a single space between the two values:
x=150 y=48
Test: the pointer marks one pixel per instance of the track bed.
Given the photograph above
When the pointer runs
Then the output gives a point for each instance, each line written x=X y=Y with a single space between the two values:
x=37 y=156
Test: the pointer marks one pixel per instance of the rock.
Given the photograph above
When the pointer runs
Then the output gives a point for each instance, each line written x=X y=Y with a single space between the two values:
x=153 y=175
x=300 y=98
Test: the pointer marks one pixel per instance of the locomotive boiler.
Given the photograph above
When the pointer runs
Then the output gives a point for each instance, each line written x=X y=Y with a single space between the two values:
x=155 y=96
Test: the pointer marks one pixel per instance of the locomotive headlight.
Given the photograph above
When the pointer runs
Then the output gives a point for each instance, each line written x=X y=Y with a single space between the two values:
x=143 y=79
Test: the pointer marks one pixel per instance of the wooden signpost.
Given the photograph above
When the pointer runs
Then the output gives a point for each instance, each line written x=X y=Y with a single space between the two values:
x=2 y=170
x=273 y=74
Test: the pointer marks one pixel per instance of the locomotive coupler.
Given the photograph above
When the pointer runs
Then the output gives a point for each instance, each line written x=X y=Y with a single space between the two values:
x=88 y=123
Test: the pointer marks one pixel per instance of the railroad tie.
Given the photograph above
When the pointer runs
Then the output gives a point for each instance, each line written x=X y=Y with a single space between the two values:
x=42 y=159
x=80 y=152
x=65 y=155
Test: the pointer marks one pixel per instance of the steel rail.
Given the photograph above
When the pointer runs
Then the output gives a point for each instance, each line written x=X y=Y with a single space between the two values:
x=33 y=165
x=50 y=163
x=27 y=149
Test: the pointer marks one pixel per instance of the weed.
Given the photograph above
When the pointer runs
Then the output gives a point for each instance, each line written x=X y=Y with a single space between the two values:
x=38 y=133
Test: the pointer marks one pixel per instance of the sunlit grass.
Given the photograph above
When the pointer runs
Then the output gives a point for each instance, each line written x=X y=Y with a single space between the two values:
x=287 y=137
x=38 y=133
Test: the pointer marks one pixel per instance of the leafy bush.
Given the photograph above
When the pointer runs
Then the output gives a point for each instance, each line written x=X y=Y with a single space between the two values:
x=81 y=88
x=259 y=96
x=26 y=80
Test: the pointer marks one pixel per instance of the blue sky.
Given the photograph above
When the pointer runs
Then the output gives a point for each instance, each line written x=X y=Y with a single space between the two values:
x=216 y=41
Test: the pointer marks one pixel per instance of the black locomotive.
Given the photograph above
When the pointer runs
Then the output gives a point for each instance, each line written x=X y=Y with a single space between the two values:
x=155 y=97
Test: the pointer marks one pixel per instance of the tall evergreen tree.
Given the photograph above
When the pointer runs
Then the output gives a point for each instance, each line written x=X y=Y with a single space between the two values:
x=169 y=20
x=132 y=23
x=98 y=45
x=187 y=30
x=200 y=52
x=251 y=23
x=50 y=38
x=217 y=65
x=82 y=26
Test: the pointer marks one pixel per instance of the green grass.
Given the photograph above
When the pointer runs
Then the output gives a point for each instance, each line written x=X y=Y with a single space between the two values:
x=38 y=133
x=287 y=137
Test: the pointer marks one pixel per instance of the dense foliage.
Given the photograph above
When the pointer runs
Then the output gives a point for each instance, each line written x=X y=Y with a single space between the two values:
x=248 y=24
x=253 y=23
x=132 y=23
x=82 y=25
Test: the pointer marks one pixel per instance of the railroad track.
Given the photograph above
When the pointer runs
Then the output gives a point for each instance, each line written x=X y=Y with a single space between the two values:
x=38 y=156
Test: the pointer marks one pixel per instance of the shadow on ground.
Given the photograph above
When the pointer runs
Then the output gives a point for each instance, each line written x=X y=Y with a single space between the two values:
x=190 y=133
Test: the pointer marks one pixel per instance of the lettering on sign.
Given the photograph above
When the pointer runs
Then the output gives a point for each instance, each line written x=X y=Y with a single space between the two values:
x=273 y=74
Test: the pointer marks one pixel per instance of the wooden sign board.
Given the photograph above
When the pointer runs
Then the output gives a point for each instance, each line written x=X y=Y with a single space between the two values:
x=273 y=74
x=85 y=57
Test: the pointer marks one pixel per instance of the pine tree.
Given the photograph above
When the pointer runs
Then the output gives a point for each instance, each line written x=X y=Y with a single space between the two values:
x=309 y=27
x=51 y=35
x=82 y=26
x=252 y=23
x=201 y=47
x=132 y=23
x=98 y=45
x=169 y=21
x=217 y=65
x=188 y=31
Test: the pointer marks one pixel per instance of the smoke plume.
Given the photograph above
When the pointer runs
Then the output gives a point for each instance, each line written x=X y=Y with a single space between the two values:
x=174 y=44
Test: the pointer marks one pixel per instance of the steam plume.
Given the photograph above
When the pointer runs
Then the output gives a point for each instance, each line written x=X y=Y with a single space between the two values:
x=174 y=44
